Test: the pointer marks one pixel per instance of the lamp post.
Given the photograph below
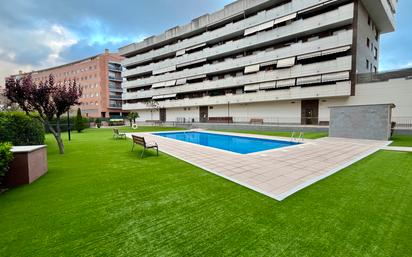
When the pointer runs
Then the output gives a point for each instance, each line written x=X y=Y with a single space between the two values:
x=228 y=112
x=68 y=124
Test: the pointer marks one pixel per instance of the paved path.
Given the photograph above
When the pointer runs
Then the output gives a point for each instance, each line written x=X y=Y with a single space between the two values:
x=398 y=148
x=276 y=173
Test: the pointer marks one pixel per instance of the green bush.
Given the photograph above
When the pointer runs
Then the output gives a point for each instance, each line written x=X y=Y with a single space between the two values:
x=20 y=129
x=79 y=122
x=5 y=157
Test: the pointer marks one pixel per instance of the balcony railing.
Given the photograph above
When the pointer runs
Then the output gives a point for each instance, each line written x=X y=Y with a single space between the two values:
x=115 y=78
x=115 y=97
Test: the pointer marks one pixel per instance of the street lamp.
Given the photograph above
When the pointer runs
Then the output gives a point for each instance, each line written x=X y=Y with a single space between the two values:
x=68 y=123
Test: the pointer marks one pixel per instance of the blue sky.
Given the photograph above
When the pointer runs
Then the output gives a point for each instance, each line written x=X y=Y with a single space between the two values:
x=43 y=33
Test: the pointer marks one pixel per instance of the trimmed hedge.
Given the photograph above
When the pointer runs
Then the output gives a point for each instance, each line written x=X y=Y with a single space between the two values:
x=20 y=129
x=5 y=157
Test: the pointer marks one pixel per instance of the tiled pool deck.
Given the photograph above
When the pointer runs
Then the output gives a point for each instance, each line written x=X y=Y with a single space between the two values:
x=276 y=173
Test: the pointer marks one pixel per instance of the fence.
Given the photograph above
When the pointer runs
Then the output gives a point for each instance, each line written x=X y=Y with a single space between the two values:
x=401 y=122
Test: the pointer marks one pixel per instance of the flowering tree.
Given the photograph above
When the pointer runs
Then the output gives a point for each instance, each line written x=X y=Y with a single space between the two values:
x=48 y=99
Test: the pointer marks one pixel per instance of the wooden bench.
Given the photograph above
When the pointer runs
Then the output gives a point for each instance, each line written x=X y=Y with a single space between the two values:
x=221 y=119
x=256 y=121
x=142 y=142
x=117 y=134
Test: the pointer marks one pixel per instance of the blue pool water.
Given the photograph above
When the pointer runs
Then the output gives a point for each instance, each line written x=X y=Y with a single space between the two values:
x=237 y=144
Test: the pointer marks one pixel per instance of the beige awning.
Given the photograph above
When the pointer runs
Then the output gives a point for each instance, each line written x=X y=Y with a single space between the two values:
x=195 y=47
x=288 y=62
x=181 y=82
x=164 y=96
x=285 y=83
x=252 y=68
x=336 y=50
x=164 y=84
x=181 y=52
x=285 y=18
x=251 y=30
x=309 y=56
x=309 y=80
x=191 y=63
x=254 y=87
x=337 y=76
x=266 y=25
x=197 y=77
x=267 y=85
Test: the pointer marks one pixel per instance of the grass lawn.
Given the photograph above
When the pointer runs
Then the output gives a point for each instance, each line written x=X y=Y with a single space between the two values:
x=100 y=199
x=308 y=135
x=402 y=141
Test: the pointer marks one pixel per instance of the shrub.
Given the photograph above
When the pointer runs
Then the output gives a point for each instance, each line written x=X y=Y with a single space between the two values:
x=20 y=129
x=98 y=122
x=5 y=157
x=79 y=122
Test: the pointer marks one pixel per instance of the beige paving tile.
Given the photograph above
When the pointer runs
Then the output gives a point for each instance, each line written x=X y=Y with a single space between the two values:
x=274 y=172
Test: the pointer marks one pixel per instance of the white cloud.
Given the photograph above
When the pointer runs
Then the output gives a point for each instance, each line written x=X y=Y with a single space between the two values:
x=57 y=39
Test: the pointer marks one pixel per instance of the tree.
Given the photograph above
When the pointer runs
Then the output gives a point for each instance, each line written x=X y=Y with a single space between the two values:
x=78 y=122
x=48 y=99
x=132 y=117
x=153 y=105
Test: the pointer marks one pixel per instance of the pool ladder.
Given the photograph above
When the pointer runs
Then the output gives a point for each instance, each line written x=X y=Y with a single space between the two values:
x=297 y=138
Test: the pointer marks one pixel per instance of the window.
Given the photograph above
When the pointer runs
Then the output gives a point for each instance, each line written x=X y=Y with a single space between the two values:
x=368 y=42
x=367 y=64
x=369 y=20
x=375 y=69
x=375 y=53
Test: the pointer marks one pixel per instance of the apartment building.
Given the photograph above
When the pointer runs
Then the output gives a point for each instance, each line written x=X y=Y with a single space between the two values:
x=283 y=61
x=99 y=77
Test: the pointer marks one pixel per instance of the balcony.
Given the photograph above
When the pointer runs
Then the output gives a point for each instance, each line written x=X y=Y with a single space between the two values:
x=294 y=93
x=115 y=89
x=341 y=16
x=293 y=50
x=115 y=78
x=115 y=97
x=230 y=28
x=337 y=65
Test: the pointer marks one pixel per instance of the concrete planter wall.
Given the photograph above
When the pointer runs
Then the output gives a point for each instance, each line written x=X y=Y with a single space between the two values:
x=29 y=163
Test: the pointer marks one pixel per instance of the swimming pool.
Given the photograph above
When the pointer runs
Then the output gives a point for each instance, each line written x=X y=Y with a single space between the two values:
x=237 y=144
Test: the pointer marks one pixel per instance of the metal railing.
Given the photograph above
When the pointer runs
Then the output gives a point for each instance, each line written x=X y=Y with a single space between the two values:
x=401 y=122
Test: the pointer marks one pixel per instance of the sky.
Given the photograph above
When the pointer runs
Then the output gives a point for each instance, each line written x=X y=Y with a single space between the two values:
x=45 y=33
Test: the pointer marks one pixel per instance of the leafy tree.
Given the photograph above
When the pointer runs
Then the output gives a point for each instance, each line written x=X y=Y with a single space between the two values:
x=153 y=106
x=132 y=117
x=48 y=99
x=79 y=122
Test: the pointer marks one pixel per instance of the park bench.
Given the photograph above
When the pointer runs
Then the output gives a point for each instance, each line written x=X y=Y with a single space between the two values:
x=221 y=119
x=146 y=145
x=117 y=134
x=256 y=121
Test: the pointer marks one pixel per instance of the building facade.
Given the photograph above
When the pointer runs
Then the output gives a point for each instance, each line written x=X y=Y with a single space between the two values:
x=280 y=61
x=99 y=77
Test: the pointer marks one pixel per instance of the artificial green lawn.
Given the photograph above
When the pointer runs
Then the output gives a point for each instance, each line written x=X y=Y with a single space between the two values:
x=100 y=199
x=402 y=141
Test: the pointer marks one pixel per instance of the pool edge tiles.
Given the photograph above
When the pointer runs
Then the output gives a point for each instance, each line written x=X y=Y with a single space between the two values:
x=236 y=144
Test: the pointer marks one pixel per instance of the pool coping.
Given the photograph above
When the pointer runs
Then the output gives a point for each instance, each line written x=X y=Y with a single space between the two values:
x=231 y=134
